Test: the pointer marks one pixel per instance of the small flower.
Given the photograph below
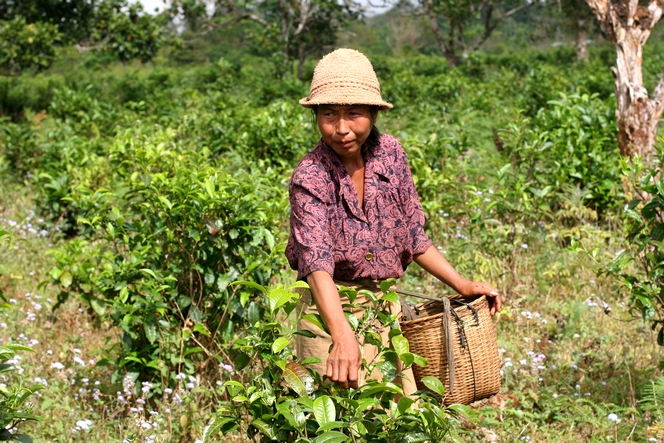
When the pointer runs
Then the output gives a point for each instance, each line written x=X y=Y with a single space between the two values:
x=79 y=361
x=57 y=365
x=83 y=425
x=524 y=246
x=576 y=336
x=614 y=418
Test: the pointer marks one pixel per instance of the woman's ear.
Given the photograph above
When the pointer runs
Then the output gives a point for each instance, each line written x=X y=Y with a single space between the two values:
x=374 y=114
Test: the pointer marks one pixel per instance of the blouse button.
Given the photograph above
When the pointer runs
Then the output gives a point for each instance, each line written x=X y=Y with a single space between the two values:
x=369 y=256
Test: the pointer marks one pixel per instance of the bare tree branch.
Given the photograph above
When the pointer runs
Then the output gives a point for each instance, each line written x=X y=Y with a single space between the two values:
x=490 y=27
x=238 y=19
x=435 y=27
x=100 y=45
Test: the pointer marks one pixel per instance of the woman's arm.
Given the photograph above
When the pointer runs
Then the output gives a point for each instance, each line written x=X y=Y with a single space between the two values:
x=344 y=361
x=435 y=264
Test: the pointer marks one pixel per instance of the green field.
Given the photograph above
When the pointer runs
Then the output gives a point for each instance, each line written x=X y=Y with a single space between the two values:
x=133 y=196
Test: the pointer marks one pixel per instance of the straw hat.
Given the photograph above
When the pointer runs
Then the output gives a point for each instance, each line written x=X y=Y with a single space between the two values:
x=344 y=77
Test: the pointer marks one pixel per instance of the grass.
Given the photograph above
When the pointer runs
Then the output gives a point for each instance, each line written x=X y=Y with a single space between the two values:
x=575 y=360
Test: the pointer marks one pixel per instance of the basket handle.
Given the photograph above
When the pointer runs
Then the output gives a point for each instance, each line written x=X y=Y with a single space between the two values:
x=447 y=309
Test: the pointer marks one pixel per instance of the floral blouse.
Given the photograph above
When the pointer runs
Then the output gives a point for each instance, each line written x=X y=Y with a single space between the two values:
x=329 y=231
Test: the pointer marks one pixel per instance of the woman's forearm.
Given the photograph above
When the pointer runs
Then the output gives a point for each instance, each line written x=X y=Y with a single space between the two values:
x=327 y=299
x=435 y=264
x=345 y=359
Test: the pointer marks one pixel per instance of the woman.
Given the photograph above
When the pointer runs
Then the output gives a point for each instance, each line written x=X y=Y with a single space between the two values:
x=356 y=218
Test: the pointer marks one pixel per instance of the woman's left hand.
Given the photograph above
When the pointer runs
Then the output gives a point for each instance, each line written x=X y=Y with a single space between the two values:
x=470 y=288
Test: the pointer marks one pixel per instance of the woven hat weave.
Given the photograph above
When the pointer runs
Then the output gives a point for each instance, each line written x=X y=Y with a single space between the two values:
x=345 y=77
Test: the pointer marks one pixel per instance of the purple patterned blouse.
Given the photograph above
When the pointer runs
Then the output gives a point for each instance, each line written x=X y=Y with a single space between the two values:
x=330 y=232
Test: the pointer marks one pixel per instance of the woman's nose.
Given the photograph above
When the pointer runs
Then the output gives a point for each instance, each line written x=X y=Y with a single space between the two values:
x=342 y=126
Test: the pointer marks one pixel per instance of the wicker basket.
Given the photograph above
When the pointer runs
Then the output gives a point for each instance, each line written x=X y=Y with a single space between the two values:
x=472 y=370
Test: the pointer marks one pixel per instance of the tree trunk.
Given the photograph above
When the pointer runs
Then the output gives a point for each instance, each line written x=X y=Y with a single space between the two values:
x=628 y=25
x=449 y=54
x=581 y=39
x=301 y=58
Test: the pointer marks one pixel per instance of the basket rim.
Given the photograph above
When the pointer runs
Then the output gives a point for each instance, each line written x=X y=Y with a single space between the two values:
x=434 y=317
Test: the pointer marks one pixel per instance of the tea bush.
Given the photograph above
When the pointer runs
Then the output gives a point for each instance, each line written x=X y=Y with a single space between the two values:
x=160 y=247
x=286 y=402
x=640 y=266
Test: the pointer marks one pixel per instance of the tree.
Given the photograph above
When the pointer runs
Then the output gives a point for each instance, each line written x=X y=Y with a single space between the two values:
x=580 y=17
x=628 y=25
x=293 y=29
x=24 y=45
x=32 y=30
x=459 y=15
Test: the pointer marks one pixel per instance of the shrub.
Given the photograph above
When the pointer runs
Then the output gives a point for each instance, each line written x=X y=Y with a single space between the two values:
x=280 y=400
x=161 y=246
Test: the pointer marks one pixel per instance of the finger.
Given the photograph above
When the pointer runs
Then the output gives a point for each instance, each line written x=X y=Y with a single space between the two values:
x=353 y=376
x=495 y=302
x=343 y=374
x=331 y=369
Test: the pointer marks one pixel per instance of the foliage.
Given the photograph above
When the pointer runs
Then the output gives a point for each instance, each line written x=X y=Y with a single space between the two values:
x=160 y=247
x=14 y=407
x=644 y=230
x=284 y=401
x=573 y=145
x=31 y=32
x=24 y=45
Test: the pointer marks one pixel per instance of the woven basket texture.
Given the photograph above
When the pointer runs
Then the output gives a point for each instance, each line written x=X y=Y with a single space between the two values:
x=477 y=366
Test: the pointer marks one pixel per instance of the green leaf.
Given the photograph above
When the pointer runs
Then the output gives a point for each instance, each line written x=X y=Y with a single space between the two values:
x=263 y=427
x=251 y=284
x=299 y=284
x=150 y=328
x=279 y=344
x=149 y=272
x=278 y=297
x=66 y=279
x=98 y=305
x=434 y=384
x=298 y=379
x=332 y=437
x=332 y=425
x=418 y=437
x=324 y=410
x=166 y=202
x=391 y=297
x=419 y=361
x=404 y=403
x=400 y=344
x=19 y=348
x=220 y=424
x=201 y=329
x=316 y=320
x=241 y=361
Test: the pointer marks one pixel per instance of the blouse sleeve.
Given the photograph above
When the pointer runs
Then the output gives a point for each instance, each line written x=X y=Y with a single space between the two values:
x=310 y=238
x=412 y=207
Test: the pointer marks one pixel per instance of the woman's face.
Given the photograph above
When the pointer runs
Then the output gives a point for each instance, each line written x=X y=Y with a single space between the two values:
x=345 y=128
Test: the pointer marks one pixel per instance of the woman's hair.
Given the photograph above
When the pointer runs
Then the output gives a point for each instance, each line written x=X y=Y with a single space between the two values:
x=374 y=136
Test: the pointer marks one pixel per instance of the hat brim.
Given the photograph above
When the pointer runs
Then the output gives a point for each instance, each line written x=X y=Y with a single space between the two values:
x=348 y=99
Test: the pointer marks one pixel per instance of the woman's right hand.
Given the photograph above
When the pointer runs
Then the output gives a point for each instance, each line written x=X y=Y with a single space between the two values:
x=344 y=361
